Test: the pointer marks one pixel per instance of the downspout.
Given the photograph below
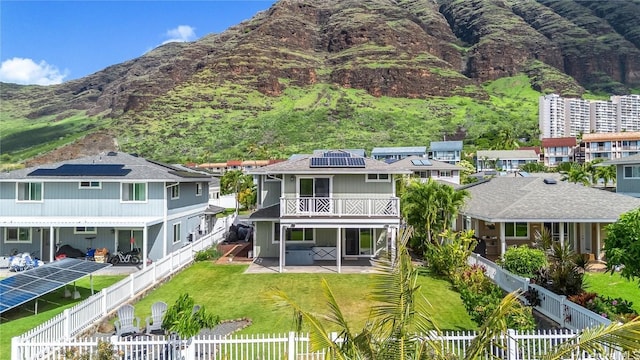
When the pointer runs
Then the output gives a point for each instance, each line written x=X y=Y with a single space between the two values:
x=145 y=246
x=164 y=221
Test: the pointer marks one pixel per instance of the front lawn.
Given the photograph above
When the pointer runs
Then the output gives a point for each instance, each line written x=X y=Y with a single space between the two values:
x=614 y=286
x=225 y=291
x=18 y=321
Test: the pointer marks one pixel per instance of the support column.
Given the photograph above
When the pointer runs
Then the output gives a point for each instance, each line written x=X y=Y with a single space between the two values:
x=394 y=245
x=561 y=225
x=52 y=244
x=282 y=247
x=575 y=238
x=598 y=245
x=338 y=250
x=145 y=245
x=503 y=240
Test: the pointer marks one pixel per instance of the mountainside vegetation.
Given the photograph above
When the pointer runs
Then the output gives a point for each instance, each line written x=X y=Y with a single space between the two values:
x=313 y=74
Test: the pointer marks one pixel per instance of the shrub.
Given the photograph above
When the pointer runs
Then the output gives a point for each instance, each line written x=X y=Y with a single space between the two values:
x=610 y=308
x=451 y=255
x=208 y=254
x=524 y=261
x=186 y=320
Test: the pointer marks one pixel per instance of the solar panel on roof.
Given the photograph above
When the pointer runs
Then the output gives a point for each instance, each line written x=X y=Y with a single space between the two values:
x=355 y=162
x=319 y=162
x=341 y=154
x=31 y=284
x=83 y=170
x=421 y=162
x=337 y=161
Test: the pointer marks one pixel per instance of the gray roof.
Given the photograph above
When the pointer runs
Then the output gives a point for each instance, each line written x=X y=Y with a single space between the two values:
x=358 y=152
x=445 y=146
x=133 y=168
x=633 y=159
x=270 y=212
x=301 y=165
x=507 y=154
x=406 y=164
x=529 y=199
x=406 y=150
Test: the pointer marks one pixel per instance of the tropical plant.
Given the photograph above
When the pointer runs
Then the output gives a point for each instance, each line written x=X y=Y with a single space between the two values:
x=621 y=246
x=523 y=260
x=430 y=208
x=576 y=174
x=468 y=168
x=607 y=174
x=450 y=256
x=534 y=167
x=563 y=276
x=187 y=319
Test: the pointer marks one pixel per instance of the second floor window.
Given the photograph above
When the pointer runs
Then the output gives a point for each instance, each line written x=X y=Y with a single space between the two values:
x=198 y=189
x=175 y=191
x=632 y=172
x=134 y=192
x=30 y=191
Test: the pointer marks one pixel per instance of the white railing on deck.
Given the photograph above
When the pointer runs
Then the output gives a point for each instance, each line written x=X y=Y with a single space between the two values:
x=75 y=320
x=512 y=345
x=556 y=307
x=324 y=206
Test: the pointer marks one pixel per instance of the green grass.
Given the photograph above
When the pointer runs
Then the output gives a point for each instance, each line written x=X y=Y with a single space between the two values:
x=225 y=291
x=17 y=322
x=614 y=286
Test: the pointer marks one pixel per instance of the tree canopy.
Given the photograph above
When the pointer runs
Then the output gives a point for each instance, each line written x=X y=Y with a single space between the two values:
x=622 y=245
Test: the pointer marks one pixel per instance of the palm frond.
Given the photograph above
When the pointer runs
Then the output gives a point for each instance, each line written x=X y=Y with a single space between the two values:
x=601 y=340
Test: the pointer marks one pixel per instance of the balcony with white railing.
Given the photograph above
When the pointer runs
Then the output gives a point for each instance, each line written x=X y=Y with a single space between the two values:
x=337 y=207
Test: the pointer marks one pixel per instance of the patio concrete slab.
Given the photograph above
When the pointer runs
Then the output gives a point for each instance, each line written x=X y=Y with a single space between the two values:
x=270 y=266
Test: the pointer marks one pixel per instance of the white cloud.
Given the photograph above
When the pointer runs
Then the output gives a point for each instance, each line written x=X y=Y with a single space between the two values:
x=28 y=72
x=180 y=34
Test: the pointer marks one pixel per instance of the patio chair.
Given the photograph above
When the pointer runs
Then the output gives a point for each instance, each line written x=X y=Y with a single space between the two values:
x=127 y=323
x=154 y=322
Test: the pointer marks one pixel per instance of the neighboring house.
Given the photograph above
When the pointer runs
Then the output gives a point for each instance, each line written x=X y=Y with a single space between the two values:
x=397 y=153
x=446 y=151
x=558 y=150
x=627 y=174
x=114 y=201
x=425 y=169
x=504 y=160
x=610 y=146
x=331 y=206
x=507 y=211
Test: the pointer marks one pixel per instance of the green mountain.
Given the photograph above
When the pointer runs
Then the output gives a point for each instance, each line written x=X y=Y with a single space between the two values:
x=309 y=74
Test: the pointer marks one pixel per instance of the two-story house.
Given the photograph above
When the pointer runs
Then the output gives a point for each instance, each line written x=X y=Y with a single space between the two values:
x=114 y=201
x=558 y=150
x=397 y=153
x=425 y=169
x=446 y=151
x=627 y=174
x=328 y=206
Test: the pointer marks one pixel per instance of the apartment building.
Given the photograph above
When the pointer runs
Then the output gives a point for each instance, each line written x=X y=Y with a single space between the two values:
x=610 y=146
x=558 y=150
x=628 y=111
x=603 y=116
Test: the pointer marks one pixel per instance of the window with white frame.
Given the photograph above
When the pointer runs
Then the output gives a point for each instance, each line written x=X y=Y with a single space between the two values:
x=445 y=173
x=632 y=172
x=294 y=234
x=177 y=235
x=198 y=189
x=17 y=235
x=378 y=178
x=85 y=230
x=516 y=229
x=423 y=174
x=29 y=191
x=90 y=185
x=175 y=191
x=269 y=178
x=134 y=192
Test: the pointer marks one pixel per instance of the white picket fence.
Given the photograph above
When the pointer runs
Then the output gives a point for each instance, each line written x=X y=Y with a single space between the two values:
x=512 y=345
x=73 y=321
x=556 y=307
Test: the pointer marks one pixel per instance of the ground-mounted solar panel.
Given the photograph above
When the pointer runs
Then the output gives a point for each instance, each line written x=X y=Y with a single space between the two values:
x=83 y=170
x=319 y=162
x=31 y=284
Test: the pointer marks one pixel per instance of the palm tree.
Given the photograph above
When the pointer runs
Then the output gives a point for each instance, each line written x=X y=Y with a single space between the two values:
x=401 y=326
x=576 y=174
x=607 y=174
x=450 y=201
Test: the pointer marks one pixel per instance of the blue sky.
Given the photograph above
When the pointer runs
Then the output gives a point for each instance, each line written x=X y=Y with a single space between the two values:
x=49 y=42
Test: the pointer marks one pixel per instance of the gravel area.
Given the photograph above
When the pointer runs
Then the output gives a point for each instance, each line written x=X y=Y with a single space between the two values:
x=226 y=328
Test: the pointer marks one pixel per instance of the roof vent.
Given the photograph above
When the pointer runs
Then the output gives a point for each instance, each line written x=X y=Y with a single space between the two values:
x=112 y=153
x=550 y=181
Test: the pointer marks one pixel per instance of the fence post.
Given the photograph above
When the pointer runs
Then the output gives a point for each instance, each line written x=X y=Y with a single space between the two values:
x=66 y=324
x=132 y=291
x=103 y=301
x=15 y=348
x=512 y=345
x=563 y=316
x=291 y=349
